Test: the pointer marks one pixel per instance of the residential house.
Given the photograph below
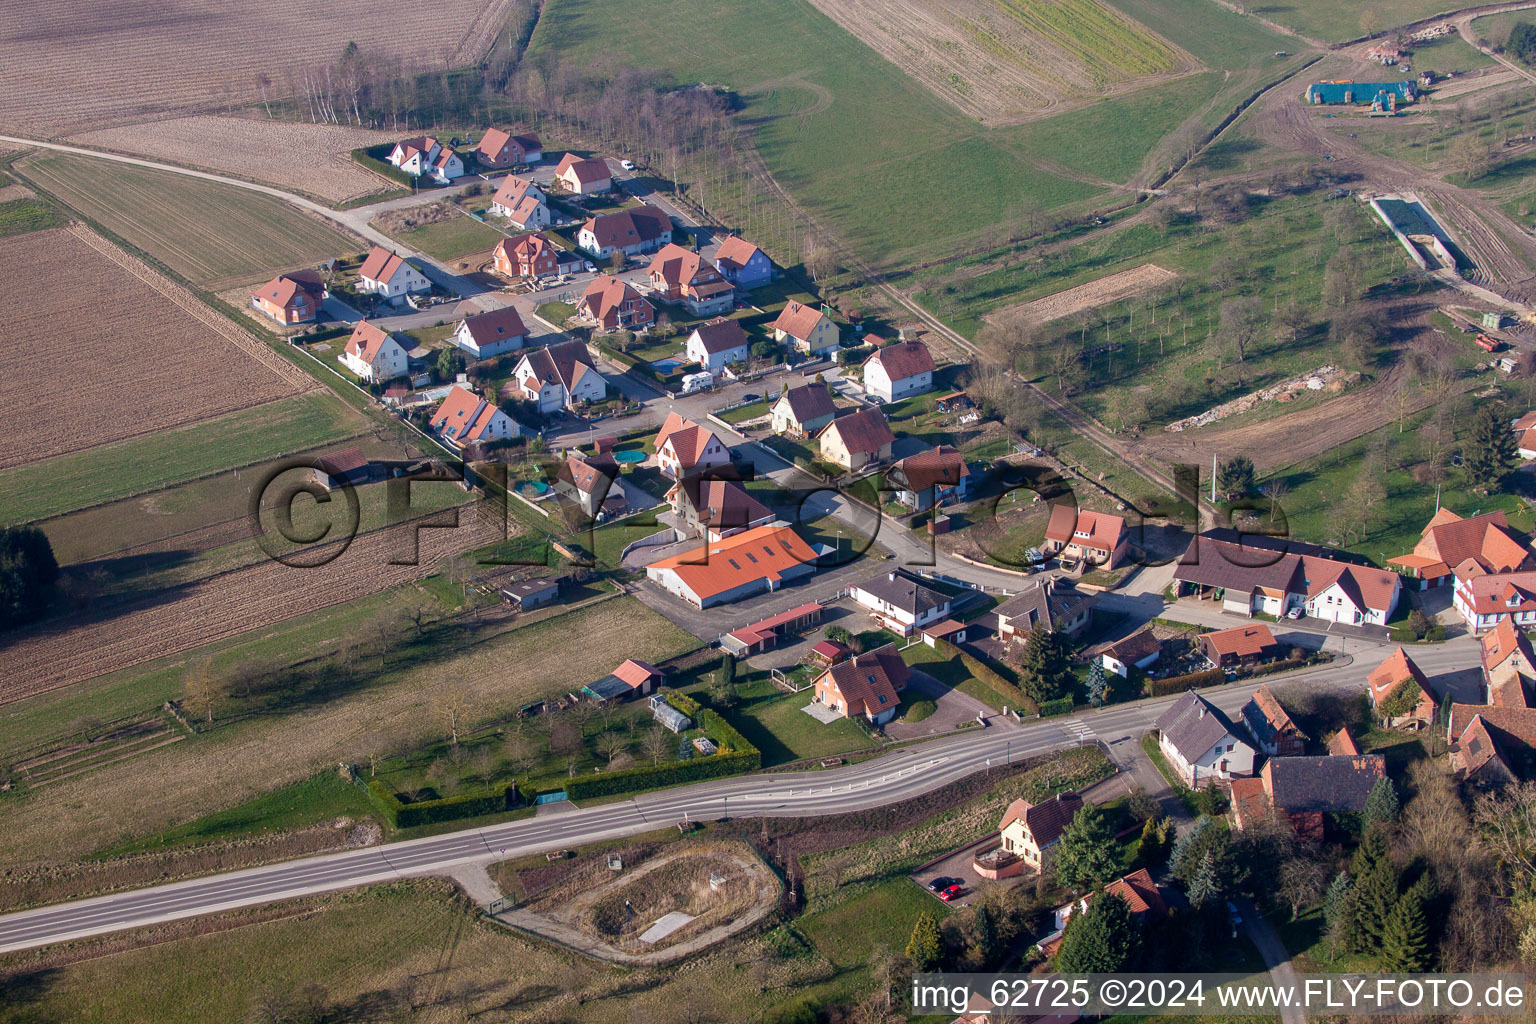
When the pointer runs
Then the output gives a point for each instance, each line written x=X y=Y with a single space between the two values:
x=1486 y=599
x=900 y=601
x=415 y=156
x=1201 y=743
x=898 y=371
x=528 y=257
x=868 y=685
x=499 y=149
x=464 y=420
x=1139 y=650
x=1304 y=789
x=1509 y=666
x=683 y=276
x=445 y=167
x=634 y=678
x=936 y=477
x=1392 y=676
x=559 y=377
x=856 y=440
x=1449 y=541
x=742 y=263
x=591 y=483
x=1050 y=603
x=612 y=305
x=1251 y=577
x=809 y=329
x=757 y=561
x=803 y=411
x=1271 y=727
x=717 y=343
x=530 y=594
x=373 y=354
x=583 y=177
x=292 y=298
x=523 y=203
x=1140 y=894
x=1030 y=831
x=1095 y=538
x=1492 y=746
x=487 y=335
x=390 y=275
x=1240 y=645
x=1353 y=594
x=716 y=508
x=630 y=232
x=684 y=448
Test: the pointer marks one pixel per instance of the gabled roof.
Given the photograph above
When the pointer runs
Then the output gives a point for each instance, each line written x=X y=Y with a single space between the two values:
x=636 y=673
x=527 y=248
x=766 y=552
x=721 y=335
x=1240 y=568
x=863 y=432
x=1265 y=718
x=492 y=142
x=444 y=155
x=594 y=475
x=736 y=252
x=1327 y=784
x=1140 y=893
x=1044 y=821
x=463 y=415
x=1486 y=539
x=1342 y=744
x=722 y=504
x=1366 y=587
x=586 y=171
x=798 y=320
x=809 y=402
x=903 y=591
x=1476 y=747
x=940 y=466
x=381 y=265
x=1396 y=670
x=564 y=363
x=686 y=439
x=1193 y=725
x=282 y=288
x=869 y=682
x=1495 y=593
x=1103 y=531
x=1504 y=641
x=677 y=266
x=497 y=325
x=903 y=359
x=1044 y=602
x=512 y=190
x=1243 y=641
x=606 y=295
x=343 y=461
x=1135 y=647
x=366 y=341
x=641 y=225
x=1517 y=723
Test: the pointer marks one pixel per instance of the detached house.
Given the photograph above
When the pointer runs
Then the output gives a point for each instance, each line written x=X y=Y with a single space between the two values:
x=1031 y=831
x=683 y=276
x=1139 y=650
x=803 y=411
x=1051 y=603
x=1304 y=789
x=527 y=257
x=1094 y=538
x=742 y=263
x=292 y=298
x=857 y=440
x=1484 y=600
x=559 y=377
x=390 y=275
x=716 y=509
x=1249 y=579
x=1449 y=542
x=464 y=419
x=898 y=371
x=498 y=149
x=1241 y=645
x=591 y=483
x=1492 y=746
x=868 y=685
x=373 y=354
x=809 y=329
x=1388 y=681
x=1509 y=666
x=487 y=335
x=938 y=476
x=583 y=177
x=717 y=343
x=683 y=448
x=523 y=203
x=610 y=304
x=415 y=156
x=1272 y=730
x=630 y=232
x=1201 y=743
x=900 y=601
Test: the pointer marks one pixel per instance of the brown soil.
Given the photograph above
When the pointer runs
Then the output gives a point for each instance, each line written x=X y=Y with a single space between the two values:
x=1091 y=295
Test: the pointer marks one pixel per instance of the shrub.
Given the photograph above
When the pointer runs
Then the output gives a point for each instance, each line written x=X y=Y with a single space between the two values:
x=655 y=776
x=920 y=710
x=501 y=797
x=1059 y=706
x=1178 y=684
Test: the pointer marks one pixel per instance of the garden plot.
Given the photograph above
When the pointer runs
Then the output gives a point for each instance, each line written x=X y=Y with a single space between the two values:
x=1092 y=295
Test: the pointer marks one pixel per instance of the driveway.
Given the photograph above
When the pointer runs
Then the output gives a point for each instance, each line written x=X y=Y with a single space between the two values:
x=958 y=865
x=952 y=708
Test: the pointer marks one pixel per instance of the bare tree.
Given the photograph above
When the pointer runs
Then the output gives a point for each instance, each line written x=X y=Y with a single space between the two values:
x=656 y=744
x=1240 y=320
x=818 y=258
x=452 y=706
x=611 y=744
x=1303 y=879
x=204 y=690
x=522 y=753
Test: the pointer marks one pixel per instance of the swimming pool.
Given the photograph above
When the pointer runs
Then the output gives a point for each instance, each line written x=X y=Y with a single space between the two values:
x=666 y=365
x=533 y=487
x=635 y=455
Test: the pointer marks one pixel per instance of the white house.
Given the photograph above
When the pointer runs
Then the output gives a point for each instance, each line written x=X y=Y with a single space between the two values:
x=683 y=448
x=560 y=376
x=898 y=371
x=902 y=602
x=583 y=177
x=446 y=166
x=1352 y=594
x=1201 y=742
x=373 y=354
x=717 y=343
x=390 y=275
x=486 y=335
x=465 y=419
x=1139 y=650
x=809 y=329
x=415 y=156
x=522 y=202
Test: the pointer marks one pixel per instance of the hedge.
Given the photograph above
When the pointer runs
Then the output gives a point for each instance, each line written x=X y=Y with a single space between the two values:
x=375 y=158
x=1059 y=706
x=1178 y=684
x=736 y=755
x=1404 y=635
x=1009 y=693
x=500 y=797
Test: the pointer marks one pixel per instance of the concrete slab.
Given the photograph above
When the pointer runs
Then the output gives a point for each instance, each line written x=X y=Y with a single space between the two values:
x=665 y=926
x=822 y=713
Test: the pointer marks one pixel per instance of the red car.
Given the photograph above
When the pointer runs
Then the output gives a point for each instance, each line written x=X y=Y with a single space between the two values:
x=954 y=892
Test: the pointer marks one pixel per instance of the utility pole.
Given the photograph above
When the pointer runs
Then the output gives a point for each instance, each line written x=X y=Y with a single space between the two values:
x=1213 y=478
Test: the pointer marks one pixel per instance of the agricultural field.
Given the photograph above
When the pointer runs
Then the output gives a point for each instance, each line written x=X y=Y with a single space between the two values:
x=156 y=359
x=315 y=159
x=1003 y=61
x=214 y=235
x=1350 y=19
x=1114 y=288
x=68 y=69
x=21 y=212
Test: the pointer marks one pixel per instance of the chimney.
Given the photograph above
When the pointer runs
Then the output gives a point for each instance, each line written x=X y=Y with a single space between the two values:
x=891 y=576
x=1202 y=709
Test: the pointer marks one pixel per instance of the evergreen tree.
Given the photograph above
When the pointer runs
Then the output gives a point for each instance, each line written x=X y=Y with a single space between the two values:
x=1102 y=939
x=1376 y=892
x=1152 y=847
x=1097 y=684
x=1204 y=889
x=1382 y=805
x=28 y=571
x=1046 y=667
x=925 y=949
x=1235 y=478
x=986 y=935
x=1405 y=947
x=1339 y=910
x=1188 y=847
x=1489 y=454
x=1086 y=855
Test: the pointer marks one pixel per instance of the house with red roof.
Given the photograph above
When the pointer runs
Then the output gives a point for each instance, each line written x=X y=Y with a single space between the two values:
x=1240 y=645
x=684 y=448
x=1249 y=577
x=390 y=276
x=1491 y=746
x=1140 y=893
x=610 y=304
x=1509 y=666
x=757 y=561
x=857 y=439
x=583 y=177
x=498 y=149
x=522 y=202
x=1343 y=592
x=808 y=328
x=1094 y=538
x=867 y=686
x=898 y=371
x=491 y=334
x=1391 y=681
x=1273 y=732
x=373 y=354
x=415 y=156
x=717 y=344
x=716 y=508
x=631 y=232
x=683 y=276
x=1448 y=541
x=465 y=420
x=291 y=298
x=742 y=263
x=560 y=376
x=1485 y=599
x=526 y=257
x=1306 y=789
x=1030 y=831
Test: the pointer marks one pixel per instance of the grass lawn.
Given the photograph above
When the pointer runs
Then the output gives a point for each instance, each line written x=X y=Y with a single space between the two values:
x=608 y=542
x=18 y=216
x=433 y=337
x=452 y=238
x=745 y=412
x=659 y=348
x=556 y=313
x=1350 y=19
x=773 y=721
x=109 y=472
x=880 y=915
x=213 y=235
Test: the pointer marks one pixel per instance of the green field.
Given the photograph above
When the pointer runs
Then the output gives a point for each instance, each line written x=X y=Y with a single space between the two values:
x=452 y=238
x=881 y=915
x=213 y=235
x=1334 y=22
x=19 y=216
x=113 y=471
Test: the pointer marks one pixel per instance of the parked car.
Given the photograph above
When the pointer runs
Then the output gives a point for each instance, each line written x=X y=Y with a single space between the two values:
x=1296 y=613
x=941 y=883
x=954 y=892
x=628 y=165
x=750 y=397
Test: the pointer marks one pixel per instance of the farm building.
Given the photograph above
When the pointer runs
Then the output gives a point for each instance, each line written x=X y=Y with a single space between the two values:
x=631 y=679
x=754 y=562
x=343 y=467
x=764 y=634
x=1380 y=95
x=531 y=594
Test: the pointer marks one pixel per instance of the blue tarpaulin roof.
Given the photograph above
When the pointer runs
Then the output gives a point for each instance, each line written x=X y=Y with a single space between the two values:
x=1358 y=92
